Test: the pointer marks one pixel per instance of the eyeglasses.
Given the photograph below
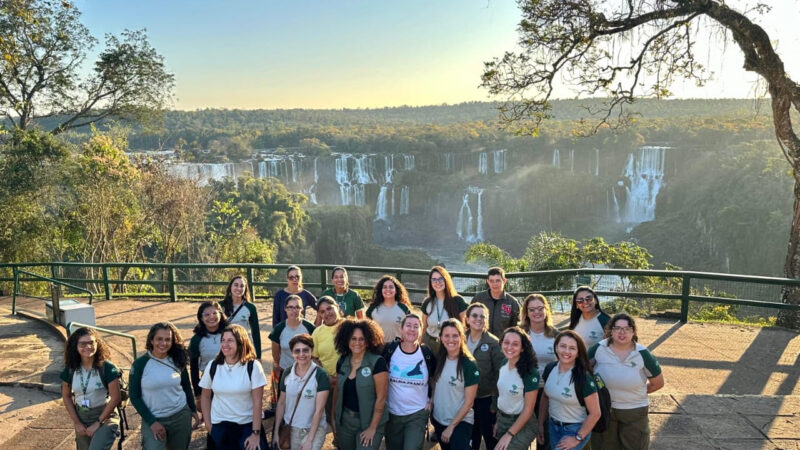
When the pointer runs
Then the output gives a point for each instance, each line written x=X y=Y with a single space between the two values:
x=292 y=307
x=588 y=298
x=536 y=310
x=477 y=316
x=293 y=277
x=210 y=314
x=625 y=329
x=437 y=279
x=86 y=344
x=300 y=351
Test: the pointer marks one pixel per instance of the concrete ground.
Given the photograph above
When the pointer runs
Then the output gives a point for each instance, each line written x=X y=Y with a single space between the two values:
x=727 y=386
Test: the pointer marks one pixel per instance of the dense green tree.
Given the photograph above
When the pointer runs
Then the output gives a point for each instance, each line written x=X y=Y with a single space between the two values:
x=43 y=47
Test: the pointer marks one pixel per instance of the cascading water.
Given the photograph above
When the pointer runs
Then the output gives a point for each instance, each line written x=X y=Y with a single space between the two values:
x=363 y=169
x=381 y=208
x=409 y=162
x=645 y=173
x=597 y=162
x=404 y=197
x=449 y=162
x=205 y=172
x=572 y=161
x=312 y=190
x=556 y=158
x=499 y=160
x=465 y=228
x=483 y=163
x=388 y=168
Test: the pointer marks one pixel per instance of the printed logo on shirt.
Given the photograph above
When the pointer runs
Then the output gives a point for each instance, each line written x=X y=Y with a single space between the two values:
x=342 y=306
x=366 y=371
x=506 y=309
x=593 y=334
x=408 y=375
x=484 y=347
x=309 y=393
x=452 y=381
x=514 y=390
x=633 y=363
x=566 y=393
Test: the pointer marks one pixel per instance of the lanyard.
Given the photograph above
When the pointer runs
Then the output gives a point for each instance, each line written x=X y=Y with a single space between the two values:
x=230 y=319
x=153 y=358
x=438 y=310
x=85 y=383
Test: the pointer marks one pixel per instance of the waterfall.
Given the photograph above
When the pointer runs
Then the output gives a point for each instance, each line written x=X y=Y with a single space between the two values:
x=483 y=163
x=466 y=228
x=312 y=190
x=363 y=170
x=499 y=159
x=381 y=209
x=203 y=173
x=388 y=168
x=556 y=158
x=614 y=208
x=404 y=197
x=645 y=173
x=572 y=161
x=409 y=162
x=342 y=178
x=293 y=163
x=449 y=162
x=597 y=162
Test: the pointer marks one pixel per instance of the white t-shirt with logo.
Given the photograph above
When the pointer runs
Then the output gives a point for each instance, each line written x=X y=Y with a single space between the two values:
x=543 y=347
x=291 y=384
x=408 y=382
x=96 y=392
x=564 y=404
x=626 y=379
x=162 y=392
x=590 y=330
x=511 y=389
x=233 y=387
x=389 y=319
x=448 y=395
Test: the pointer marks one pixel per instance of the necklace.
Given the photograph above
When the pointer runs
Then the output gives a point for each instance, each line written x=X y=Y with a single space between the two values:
x=229 y=366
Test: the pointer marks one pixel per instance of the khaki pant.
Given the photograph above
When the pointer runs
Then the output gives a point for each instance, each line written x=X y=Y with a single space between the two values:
x=406 y=432
x=628 y=429
x=104 y=437
x=299 y=436
x=524 y=437
x=179 y=432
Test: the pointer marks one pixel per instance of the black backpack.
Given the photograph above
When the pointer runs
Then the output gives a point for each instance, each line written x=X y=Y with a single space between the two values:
x=213 y=370
x=602 y=394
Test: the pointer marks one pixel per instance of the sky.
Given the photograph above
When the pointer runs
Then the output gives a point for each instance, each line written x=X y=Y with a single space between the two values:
x=252 y=54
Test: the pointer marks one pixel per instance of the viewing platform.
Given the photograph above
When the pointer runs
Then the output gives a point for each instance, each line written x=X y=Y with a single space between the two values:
x=727 y=386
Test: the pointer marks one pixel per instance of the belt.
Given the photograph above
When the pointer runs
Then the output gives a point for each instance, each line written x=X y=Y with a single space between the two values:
x=350 y=413
x=563 y=424
x=509 y=416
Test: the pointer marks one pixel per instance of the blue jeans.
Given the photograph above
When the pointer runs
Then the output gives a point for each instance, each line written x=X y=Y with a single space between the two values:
x=230 y=435
x=559 y=431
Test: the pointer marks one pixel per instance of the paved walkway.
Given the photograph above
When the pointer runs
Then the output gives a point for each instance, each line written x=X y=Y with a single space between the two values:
x=727 y=387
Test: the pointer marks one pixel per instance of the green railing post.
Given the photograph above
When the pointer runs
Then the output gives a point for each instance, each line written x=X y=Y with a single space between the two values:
x=323 y=280
x=250 y=283
x=399 y=276
x=173 y=294
x=686 y=290
x=106 y=286
x=14 y=291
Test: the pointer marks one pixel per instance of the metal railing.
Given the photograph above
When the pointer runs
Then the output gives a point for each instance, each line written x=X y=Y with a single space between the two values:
x=55 y=299
x=72 y=325
x=687 y=287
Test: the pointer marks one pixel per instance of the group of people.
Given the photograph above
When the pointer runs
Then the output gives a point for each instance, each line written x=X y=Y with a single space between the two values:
x=495 y=371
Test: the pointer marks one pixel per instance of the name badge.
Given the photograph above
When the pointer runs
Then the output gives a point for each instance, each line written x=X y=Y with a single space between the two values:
x=85 y=403
x=484 y=347
x=366 y=371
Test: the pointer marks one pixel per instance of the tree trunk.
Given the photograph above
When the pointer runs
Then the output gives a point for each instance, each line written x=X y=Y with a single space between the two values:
x=791 y=295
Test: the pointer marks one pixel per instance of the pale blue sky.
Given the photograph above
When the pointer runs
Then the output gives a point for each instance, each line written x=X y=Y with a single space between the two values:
x=359 y=53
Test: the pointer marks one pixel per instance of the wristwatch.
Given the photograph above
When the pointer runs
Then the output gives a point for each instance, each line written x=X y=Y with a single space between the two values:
x=578 y=437
x=257 y=432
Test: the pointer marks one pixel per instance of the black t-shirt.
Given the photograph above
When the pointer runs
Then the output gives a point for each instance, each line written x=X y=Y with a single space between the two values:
x=351 y=393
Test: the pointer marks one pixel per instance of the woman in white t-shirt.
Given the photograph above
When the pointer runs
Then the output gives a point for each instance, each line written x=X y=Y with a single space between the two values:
x=389 y=305
x=90 y=390
x=571 y=422
x=538 y=321
x=586 y=317
x=411 y=366
x=304 y=392
x=236 y=378
x=456 y=383
x=442 y=303
x=630 y=372
x=517 y=386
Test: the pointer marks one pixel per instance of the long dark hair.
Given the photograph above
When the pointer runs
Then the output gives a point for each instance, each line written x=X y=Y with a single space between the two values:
x=581 y=368
x=227 y=302
x=450 y=292
x=401 y=295
x=527 y=356
x=575 y=313
x=200 y=328
x=177 y=351
x=72 y=359
x=463 y=351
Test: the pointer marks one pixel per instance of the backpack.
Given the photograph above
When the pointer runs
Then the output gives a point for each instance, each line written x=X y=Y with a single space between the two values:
x=213 y=370
x=602 y=395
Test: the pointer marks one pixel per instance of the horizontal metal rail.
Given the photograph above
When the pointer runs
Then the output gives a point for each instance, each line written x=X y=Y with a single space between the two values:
x=72 y=325
x=56 y=300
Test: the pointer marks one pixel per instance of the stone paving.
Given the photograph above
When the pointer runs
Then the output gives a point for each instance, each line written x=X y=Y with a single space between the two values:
x=727 y=387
